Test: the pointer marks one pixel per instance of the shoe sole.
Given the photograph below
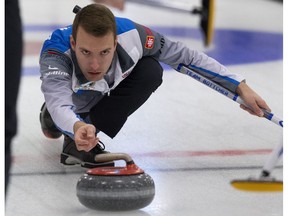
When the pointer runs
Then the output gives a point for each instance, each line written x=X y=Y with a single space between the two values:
x=71 y=161
x=47 y=133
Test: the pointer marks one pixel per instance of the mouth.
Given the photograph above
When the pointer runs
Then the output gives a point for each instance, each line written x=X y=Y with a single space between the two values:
x=94 y=73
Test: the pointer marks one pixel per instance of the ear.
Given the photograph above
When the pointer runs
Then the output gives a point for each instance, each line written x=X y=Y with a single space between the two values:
x=116 y=41
x=72 y=42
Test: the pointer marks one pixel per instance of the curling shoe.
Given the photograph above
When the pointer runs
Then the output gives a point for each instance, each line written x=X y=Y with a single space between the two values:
x=48 y=127
x=71 y=155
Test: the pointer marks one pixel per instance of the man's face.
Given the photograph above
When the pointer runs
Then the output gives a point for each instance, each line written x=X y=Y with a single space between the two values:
x=94 y=54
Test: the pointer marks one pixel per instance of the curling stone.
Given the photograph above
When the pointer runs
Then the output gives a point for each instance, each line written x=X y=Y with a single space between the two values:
x=115 y=188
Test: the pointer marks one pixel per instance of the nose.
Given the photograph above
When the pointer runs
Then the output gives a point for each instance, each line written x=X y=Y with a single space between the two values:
x=94 y=63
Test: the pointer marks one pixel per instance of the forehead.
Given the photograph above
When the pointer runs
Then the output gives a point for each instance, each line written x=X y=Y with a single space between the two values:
x=85 y=38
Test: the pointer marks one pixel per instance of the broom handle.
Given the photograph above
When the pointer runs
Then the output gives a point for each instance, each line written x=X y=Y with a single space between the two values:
x=272 y=160
x=220 y=89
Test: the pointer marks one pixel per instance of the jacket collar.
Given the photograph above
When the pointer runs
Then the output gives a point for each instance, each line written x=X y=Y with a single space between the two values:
x=125 y=60
x=78 y=71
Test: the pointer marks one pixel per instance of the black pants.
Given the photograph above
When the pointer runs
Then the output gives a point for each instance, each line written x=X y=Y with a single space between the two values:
x=111 y=112
x=13 y=57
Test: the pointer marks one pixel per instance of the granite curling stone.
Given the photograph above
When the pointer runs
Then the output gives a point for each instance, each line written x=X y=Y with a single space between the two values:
x=115 y=188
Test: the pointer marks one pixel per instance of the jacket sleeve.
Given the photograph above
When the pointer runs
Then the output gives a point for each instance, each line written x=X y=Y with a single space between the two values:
x=175 y=53
x=56 y=71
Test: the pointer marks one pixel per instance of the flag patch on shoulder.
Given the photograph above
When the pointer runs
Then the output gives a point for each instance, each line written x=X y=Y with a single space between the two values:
x=149 y=44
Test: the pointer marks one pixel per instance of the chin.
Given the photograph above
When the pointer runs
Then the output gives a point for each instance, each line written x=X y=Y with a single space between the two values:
x=94 y=79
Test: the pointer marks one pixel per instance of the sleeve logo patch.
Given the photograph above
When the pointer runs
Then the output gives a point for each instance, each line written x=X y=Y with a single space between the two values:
x=149 y=42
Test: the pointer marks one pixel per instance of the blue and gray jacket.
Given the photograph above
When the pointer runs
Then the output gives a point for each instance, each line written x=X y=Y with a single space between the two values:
x=67 y=93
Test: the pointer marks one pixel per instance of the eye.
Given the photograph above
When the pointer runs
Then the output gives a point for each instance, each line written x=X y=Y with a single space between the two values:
x=105 y=52
x=85 y=52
